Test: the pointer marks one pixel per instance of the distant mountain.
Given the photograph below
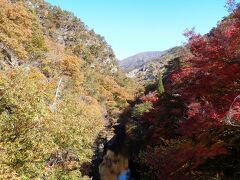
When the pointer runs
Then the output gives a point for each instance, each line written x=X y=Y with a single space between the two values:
x=139 y=59
x=148 y=71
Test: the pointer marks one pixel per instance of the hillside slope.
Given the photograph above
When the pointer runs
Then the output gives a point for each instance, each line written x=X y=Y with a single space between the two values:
x=138 y=60
x=187 y=127
x=60 y=87
x=149 y=71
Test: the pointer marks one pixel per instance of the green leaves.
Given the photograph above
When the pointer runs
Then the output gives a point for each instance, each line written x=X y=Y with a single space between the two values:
x=140 y=109
x=160 y=85
x=23 y=107
x=30 y=132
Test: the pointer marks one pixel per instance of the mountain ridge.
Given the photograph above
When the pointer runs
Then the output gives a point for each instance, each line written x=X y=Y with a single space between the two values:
x=138 y=59
x=149 y=70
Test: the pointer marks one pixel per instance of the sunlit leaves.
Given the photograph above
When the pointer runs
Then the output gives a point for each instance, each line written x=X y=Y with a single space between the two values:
x=20 y=30
x=59 y=47
x=24 y=107
x=192 y=129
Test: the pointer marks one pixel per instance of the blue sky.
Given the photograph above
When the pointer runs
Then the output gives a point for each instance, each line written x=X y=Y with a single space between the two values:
x=133 y=26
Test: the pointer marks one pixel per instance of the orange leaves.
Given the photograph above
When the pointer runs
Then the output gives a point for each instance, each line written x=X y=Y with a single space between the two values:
x=17 y=29
x=70 y=65
x=18 y=14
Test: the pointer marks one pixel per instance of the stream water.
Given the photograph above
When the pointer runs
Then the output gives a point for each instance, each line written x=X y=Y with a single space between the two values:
x=124 y=175
x=115 y=164
x=114 y=167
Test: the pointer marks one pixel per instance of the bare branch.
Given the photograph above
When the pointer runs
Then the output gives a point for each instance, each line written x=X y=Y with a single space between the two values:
x=231 y=113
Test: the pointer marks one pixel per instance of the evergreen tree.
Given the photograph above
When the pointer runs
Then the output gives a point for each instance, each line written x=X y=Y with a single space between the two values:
x=160 y=84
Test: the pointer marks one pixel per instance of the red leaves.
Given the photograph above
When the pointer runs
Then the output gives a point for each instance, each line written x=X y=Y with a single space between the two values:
x=175 y=111
x=180 y=160
x=205 y=87
x=209 y=82
x=202 y=152
x=203 y=47
x=196 y=42
x=230 y=31
x=211 y=79
x=193 y=109
x=166 y=161
x=200 y=117
x=151 y=97
x=216 y=149
x=182 y=73
x=220 y=44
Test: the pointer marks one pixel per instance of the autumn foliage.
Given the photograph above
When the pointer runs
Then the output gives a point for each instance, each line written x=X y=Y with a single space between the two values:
x=187 y=131
x=54 y=99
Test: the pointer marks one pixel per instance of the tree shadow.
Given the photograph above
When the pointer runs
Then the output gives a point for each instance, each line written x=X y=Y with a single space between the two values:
x=114 y=145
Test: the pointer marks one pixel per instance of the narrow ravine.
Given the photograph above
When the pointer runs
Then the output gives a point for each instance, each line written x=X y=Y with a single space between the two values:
x=113 y=163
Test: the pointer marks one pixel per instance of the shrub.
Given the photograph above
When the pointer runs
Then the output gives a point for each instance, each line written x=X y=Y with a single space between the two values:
x=140 y=109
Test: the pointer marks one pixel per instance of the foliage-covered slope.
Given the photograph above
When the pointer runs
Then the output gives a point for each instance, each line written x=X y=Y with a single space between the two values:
x=58 y=83
x=191 y=131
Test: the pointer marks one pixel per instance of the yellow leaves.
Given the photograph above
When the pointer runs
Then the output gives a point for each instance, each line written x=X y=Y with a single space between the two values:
x=17 y=29
x=36 y=74
x=84 y=52
x=55 y=49
x=26 y=93
x=12 y=43
x=110 y=84
x=18 y=13
x=78 y=120
x=114 y=95
x=70 y=65
x=24 y=106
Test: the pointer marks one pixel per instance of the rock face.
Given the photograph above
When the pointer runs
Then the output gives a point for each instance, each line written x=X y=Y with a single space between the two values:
x=149 y=71
x=138 y=60
x=8 y=55
x=67 y=30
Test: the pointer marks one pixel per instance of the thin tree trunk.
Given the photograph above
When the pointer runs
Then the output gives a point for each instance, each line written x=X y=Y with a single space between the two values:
x=54 y=105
